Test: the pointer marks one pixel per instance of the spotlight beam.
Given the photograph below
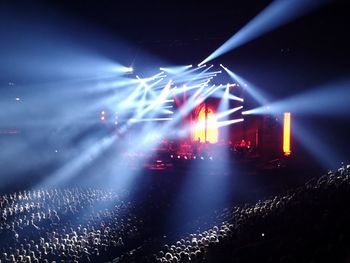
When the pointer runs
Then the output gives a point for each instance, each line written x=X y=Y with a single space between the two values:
x=328 y=100
x=186 y=73
x=176 y=69
x=255 y=92
x=71 y=169
x=159 y=100
x=229 y=122
x=150 y=119
x=277 y=14
x=228 y=112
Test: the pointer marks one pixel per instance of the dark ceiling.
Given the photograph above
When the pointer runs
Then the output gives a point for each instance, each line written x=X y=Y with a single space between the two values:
x=183 y=32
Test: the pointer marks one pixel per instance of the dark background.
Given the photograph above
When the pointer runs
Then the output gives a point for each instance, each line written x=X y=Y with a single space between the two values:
x=310 y=51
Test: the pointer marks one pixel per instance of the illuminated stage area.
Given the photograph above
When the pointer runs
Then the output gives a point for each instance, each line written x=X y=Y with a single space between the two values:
x=185 y=114
x=181 y=114
x=174 y=132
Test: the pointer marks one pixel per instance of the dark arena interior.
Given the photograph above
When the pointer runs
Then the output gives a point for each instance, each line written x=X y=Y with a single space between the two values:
x=177 y=132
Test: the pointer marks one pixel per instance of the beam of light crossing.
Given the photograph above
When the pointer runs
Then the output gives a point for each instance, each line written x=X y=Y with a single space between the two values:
x=222 y=114
x=330 y=99
x=325 y=154
x=183 y=111
x=228 y=122
x=186 y=73
x=167 y=107
x=176 y=69
x=194 y=77
x=71 y=169
x=201 y=73
x=217 y=124
x=162 y=97
x=150 y=119
x=255 y=92
x=187 y=88
x=131 y=98
x=275 y=15
x=207 y=94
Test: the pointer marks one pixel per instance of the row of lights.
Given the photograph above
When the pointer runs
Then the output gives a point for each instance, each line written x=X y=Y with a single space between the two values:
x=189 y=158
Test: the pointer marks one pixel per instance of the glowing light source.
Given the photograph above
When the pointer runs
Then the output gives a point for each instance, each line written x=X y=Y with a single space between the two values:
x=286 y=134
x=206 y=129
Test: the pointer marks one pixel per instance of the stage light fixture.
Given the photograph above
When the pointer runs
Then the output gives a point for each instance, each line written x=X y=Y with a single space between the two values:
x=286 y=134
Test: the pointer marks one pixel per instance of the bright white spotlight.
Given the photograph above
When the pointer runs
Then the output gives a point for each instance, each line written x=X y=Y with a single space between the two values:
x=229 y=122
x=126 y=69
x=168 y=100
x=168 y=112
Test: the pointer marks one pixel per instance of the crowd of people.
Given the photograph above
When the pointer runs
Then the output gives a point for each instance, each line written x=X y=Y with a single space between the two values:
x=65 y=225
x=306 y=224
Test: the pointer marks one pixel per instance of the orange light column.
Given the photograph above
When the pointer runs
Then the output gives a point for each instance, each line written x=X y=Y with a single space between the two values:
x=286 y=134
